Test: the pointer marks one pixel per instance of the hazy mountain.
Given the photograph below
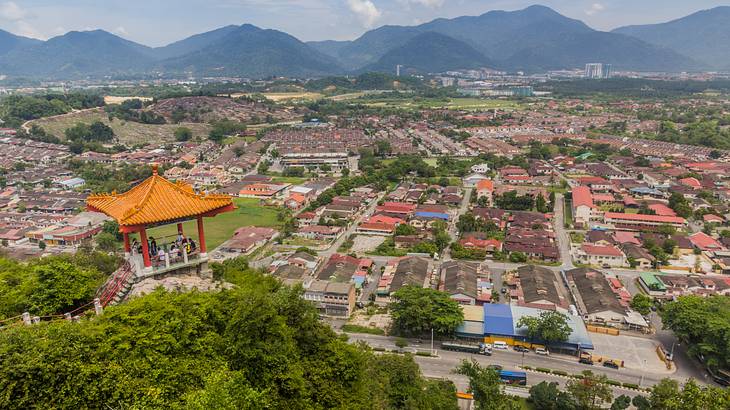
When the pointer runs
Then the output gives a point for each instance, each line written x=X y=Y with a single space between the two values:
x=704 y=36
x=77 y=54
x=193 y=43
x=535 y=38
x=430 y=53
x=9 y=42
x=328 y=47
x=253 y=52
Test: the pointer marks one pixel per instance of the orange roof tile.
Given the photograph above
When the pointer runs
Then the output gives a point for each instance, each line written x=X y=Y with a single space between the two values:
x=157 y=200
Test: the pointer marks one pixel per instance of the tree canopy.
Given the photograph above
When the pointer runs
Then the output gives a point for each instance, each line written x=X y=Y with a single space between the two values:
x=548 y=327
x=416 y=310
x=257 y=346
x=704 y=323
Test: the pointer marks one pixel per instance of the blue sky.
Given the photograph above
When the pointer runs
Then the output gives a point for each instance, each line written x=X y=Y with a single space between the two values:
x=158 y=22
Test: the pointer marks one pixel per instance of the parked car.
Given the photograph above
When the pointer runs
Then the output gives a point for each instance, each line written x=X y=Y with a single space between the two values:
x=611 y=364
x=500 y=345
x=521 y=349
x=586 y=360
x=542 y=351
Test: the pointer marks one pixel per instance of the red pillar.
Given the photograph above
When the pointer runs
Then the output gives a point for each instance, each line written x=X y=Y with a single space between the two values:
x=145 y=248
x=201 y=237
x=127 y=246
x=179 y=229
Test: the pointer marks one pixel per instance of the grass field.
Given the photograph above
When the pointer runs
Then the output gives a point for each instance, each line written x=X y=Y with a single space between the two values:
x=290 y=180
x=301 y=96
x=449 y=103
x=128 y=132
x=221 y=228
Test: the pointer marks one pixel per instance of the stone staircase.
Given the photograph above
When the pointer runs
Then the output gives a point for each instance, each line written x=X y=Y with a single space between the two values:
x=117 y=287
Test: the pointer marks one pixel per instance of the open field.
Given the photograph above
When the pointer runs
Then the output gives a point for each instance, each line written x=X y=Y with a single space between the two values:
x=128 y=132
x=301 y=96
x=111 y=99
x=221 y=228
x=449 y=103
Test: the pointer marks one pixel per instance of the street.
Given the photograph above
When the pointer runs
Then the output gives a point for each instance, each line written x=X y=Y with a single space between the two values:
x=443 y=365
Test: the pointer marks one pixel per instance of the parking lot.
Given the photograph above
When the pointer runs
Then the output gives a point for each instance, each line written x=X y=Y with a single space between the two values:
x=636 y=352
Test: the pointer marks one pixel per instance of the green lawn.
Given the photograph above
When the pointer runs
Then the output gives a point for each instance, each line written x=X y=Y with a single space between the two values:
x=221 y=228
x=290 y=180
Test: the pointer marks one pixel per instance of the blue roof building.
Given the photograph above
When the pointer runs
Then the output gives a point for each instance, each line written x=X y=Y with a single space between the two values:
x=433 y=215
x=499 y=322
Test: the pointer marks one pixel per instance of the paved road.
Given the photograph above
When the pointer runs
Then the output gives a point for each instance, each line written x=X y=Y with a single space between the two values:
x=560 y=234
x=351 y=228
x=463 y=208
x=443 y=365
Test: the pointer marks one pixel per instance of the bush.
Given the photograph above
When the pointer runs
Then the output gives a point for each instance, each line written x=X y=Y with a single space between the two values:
x=379 y=349
x=543 y=370
x=425 y=354
x=527 y=367
x=363 y=329
x=560 y=373
x=613 y=382
x=630 y=385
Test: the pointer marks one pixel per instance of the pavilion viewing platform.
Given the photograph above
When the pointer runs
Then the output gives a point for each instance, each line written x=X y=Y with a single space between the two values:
x=154 y=202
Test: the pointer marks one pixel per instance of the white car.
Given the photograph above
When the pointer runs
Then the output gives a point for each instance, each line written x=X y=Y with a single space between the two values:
x=542 y=351
x=500 y=345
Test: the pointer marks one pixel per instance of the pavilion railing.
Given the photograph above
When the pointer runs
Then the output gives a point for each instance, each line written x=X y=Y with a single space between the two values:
x=119 y=279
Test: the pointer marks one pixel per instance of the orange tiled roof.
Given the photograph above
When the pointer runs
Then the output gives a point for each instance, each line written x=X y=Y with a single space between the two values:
x=156 y=200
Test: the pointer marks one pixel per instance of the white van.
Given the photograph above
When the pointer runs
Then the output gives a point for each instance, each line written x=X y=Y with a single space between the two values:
x=500 y=345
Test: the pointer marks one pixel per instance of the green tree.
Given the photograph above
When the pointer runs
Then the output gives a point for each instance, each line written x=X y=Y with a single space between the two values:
x=541 y=204
x=548 y=327
x=486 y=386
x=680 y=205
x=641 y=402
x=106 y=242
x=621 y=402
x=591 y=391
x=517 y=257
x=416 y=310
x=641 y=303
x=183 y=134
x=547 y=396
x=404 y=230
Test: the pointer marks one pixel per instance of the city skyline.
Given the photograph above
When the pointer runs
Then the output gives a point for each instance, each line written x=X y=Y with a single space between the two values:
x=162 y=22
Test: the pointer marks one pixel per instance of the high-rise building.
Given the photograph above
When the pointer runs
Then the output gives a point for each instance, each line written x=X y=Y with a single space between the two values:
x=397 y=70
x=598 y=70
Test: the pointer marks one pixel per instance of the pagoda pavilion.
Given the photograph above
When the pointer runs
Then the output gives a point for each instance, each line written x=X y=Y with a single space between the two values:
x=157 y=201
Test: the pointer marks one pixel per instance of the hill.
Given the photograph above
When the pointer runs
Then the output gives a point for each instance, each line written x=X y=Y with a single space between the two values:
x=535 y=38
x=193 y=43
x=704 y=36
x=253 y=52
x=428 y=53
x=10 y=42
x=77 y=54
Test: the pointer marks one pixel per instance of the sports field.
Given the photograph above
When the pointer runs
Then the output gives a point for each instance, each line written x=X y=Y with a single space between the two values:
x=221 y=228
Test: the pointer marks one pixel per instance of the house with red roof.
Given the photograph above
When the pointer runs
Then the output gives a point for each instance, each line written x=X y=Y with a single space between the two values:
x=712 y=218
x=691 y=182
x=582 y=204
x=663 y=210
x=598 y=255
x=485 y=188
x=488 y=245
x=640 y=221
x=705 y=242
x=397 y=208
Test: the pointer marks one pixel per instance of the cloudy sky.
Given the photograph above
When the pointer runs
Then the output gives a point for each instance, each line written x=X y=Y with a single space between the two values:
x=159 y=22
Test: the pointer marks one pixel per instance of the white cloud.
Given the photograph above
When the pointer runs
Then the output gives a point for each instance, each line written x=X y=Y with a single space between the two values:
x=365 y=11
x=120 y=31
x=595 y=9
x=11 y=11
x=427 y=3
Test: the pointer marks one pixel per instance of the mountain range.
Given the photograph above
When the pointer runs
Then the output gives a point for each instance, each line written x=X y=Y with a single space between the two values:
x=534 y=39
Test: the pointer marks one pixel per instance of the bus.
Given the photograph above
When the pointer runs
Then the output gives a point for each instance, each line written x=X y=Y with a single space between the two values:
x=509 y=377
